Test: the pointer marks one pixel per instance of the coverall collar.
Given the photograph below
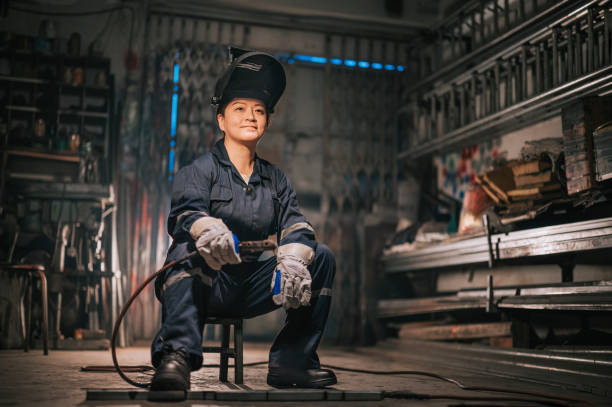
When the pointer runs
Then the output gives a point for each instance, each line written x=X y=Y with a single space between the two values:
x=220 y=152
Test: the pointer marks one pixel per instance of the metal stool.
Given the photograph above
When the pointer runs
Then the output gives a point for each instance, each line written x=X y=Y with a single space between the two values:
x=225 y=351
x=38 y=271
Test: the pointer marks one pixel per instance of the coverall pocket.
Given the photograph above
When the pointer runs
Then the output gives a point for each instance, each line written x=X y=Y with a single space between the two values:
x=220 y=200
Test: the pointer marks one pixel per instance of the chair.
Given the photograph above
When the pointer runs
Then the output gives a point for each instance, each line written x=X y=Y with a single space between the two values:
x=225 y=351
x=34 y=270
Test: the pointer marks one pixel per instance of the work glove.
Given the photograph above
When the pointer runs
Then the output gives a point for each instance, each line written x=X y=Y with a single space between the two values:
x=214 y=242
x=291 y=282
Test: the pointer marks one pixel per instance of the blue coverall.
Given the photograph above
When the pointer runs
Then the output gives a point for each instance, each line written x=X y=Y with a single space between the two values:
x=191 y=291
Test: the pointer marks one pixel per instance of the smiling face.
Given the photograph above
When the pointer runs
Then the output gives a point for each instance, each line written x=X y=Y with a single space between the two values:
x=244 y=121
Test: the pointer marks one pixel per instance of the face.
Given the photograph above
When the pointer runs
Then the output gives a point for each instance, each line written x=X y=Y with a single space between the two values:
x=244 y=120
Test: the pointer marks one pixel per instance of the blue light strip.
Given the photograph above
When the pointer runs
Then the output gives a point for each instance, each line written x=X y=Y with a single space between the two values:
x=292 y=58
x=173 y=120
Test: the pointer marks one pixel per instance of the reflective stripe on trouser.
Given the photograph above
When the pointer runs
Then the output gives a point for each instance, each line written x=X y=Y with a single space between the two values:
x=243 y=290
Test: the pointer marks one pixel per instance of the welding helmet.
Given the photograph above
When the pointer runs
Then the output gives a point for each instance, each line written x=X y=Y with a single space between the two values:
x=253 y=75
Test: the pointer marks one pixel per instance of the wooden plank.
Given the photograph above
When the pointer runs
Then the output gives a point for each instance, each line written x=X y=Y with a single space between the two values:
x=462 y=331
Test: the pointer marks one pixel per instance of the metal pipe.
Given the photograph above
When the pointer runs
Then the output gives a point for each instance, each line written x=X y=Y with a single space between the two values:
x=482 y=22
x=578 y=49
x=570 y=54
x=590 y=41
x=538 y=70
x=506 y=15
x=555 y=57
x=496 y=102
x=524 y=72
x=607 y=34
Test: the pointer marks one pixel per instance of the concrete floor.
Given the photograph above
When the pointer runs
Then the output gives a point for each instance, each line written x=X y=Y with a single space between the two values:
x=32 y=379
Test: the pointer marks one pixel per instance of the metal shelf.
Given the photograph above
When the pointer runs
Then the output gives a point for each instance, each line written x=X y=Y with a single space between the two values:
x=565 y=238
x=562 y=297
x=69 y=190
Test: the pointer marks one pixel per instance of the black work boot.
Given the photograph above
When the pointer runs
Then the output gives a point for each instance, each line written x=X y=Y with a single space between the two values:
x=173 y=371
x=310 y=378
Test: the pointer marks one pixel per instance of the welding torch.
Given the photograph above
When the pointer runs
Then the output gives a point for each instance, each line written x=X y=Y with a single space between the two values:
x=243 y=248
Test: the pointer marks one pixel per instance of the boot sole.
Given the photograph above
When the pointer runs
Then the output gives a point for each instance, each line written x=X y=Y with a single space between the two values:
x=170 y=383
x=284 y=382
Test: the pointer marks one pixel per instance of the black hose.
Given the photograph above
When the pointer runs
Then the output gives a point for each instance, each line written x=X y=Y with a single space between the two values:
x=124 y=311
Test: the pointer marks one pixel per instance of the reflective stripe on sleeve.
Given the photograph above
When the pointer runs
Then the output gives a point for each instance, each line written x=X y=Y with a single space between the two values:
x=187 y=213
x=294 y=227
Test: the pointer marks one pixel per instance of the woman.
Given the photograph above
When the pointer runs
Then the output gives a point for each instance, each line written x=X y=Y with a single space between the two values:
x=230 y=190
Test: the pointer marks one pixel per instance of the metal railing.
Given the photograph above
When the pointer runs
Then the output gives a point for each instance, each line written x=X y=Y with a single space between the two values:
x=525 y=82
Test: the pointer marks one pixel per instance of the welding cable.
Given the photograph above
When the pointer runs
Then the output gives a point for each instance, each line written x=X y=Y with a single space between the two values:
x=124 y=311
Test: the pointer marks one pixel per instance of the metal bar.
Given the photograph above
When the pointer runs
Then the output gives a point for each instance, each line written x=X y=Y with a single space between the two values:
x=522 y=9
x=578 y=49
x=452 y=110
x=434 y=119
x=570 y=54
x=537 y=86
x=473 y=110
x=496 y=101
x=483 y=96
x=495 y=18
x=482 y=21
x=506 y=15
x=443 y=116
x=518 y=96
x=524 y=72
x=473 y=28
x=590 y=41
x=555 y=57
x=462 y=95
x=607 y=33
x=546 y=68
x=508 y=95
x=238 y=344
x=223 y=365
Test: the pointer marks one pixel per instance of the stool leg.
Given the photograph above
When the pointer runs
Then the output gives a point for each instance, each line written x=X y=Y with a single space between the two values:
x=238 y=378
x=224 y=351
x=28 y=316
x=45 y=315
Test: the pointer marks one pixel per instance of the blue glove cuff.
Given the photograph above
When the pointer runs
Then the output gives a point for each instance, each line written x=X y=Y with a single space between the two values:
x=277 y=283
x=236 y=243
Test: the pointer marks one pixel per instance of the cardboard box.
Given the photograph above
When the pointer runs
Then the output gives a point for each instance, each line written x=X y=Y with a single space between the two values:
x=579 y=120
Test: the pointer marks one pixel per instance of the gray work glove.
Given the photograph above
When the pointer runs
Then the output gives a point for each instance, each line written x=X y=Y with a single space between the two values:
x=291 y=282
x=214 y=242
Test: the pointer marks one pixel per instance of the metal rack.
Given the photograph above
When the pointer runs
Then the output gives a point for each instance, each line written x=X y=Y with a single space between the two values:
x=550 y=240
x=522 y=82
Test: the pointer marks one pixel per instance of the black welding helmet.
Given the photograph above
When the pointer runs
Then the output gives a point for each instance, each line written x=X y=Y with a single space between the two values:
x=253 y=75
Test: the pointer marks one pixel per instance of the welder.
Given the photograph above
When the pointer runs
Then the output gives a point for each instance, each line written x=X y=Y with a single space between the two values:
x=232 y=192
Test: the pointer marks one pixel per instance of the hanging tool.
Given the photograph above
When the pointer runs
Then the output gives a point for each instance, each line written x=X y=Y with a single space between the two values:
x=243 y=248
